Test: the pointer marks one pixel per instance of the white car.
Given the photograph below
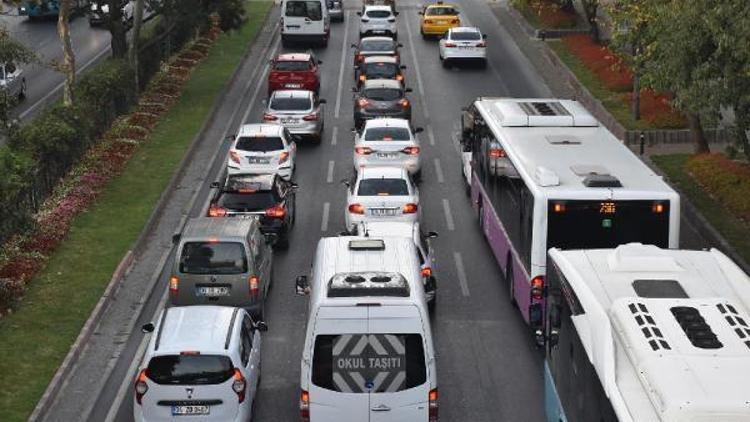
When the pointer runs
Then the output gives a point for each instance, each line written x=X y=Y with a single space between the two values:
x=463 y=43
x=388 y=142
x=201 y=362
x=378 y=20
x=263 y=149
x=381 y=194
x=12 y=80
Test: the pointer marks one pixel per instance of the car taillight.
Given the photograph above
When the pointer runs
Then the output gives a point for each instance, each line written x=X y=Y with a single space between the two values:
x=174 y=285
x=497 y=153
x=304 y=406
x=140 y=386
x=283 y=157
x=482 y=44
x=363 y=103
x=234 y=156
x=428 y=21
x=253 y=282
x=269 y=117
x=432 y=398
x=363 y=150
x=239 y=385
x=276 y=212
x=216 y=211
x=311 y=117
x=400 y=78
x=537 y=287
x=362 y=78
x=356 y=209
x=410 y=208
x=403 y=102
x=454 y=22
x=360 y=57
x=426 y=272
x=411 y=150
x=450 y=45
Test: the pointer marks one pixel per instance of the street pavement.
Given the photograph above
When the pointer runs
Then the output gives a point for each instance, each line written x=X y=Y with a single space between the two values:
x=488 y=367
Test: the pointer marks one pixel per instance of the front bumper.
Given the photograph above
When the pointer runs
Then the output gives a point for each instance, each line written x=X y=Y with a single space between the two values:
x=361 y=115
x=411 y=164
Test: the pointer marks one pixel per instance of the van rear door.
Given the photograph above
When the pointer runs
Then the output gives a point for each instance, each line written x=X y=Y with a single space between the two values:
x=304 y=17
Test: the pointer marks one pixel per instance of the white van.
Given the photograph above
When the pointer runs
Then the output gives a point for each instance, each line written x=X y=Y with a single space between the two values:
x=305 y=21
x=368 y=354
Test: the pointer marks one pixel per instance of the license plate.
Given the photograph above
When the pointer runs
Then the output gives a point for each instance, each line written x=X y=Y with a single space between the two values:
x=189 y=410
x=290 y=120
x=293 y=86
x=381 y=212
x=378 y=31
x=386 y=155
x=213 y=291
x=257 y=160
x=465 y=47
x=441 y=22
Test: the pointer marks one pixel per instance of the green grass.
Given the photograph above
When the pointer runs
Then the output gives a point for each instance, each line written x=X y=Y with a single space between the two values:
x=35 y=340
x=611 y=100
x=735 y=231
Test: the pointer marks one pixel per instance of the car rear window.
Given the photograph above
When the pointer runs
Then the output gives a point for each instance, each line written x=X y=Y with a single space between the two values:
x=378 y=14
x=304 y=9
x=213 y=258
x=377 y=45
x=383 y=94
x=387 y=134
x=260 y=143
x=465 y=36
x=247 y=202
x=292 y=66
x=290 y=104
x=380 y=70
x=441 y=11
x=383 y=187
x=387 y=363
x=190 y=369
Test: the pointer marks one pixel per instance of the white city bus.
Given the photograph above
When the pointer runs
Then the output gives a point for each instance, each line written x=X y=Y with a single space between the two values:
x=544 y=173
x=643 y=334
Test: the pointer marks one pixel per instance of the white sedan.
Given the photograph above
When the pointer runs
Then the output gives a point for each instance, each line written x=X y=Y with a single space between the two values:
x=388 y=142
x=381 y=194
x=263 y=149
x=463 y=43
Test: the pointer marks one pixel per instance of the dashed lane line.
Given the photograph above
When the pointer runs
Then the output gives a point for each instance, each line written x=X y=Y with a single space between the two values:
x=326 y=212
x=448 y=215
x=439 y=171
x=461 y=271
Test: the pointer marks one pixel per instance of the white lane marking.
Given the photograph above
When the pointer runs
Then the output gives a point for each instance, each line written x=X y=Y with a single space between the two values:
x=344 y=49
x=329 y=177
x=324 y=222
x=448 y=215
x=431 y=135
x=417 y=72
x=461 y=271
x=334 y=135
x=439 y=171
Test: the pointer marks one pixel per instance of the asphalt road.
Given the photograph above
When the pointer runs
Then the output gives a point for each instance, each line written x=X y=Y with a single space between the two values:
x=488 y=367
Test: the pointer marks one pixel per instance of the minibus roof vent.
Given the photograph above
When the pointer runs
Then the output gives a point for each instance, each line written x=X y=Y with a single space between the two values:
x=649 y=329
x=595 y=180
x=695 y=327
x=364 y=284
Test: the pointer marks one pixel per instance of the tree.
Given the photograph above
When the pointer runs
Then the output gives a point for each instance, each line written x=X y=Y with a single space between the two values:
x=591 y=9
x=134 y=44
x=116 y=22
x=68 y=65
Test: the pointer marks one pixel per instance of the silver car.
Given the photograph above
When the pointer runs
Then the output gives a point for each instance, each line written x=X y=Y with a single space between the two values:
x=336 y=10
x=301 y=112
x=12 y=80
x=388 y=142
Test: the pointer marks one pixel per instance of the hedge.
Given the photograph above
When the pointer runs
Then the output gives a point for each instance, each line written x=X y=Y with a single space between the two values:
x=726 y=180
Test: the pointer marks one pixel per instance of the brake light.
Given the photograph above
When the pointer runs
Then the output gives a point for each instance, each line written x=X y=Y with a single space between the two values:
x=269 y=117
x=360 y=57
x=253 y=282
x=450 y=45
x=276 y=212
x=356 y=209
x=428 y=21
x=363 y=150
x=482 y=44
x=403 y=102
x=140 y=386
x=537 y=287
x=363 y=103
x=455 y=21
x=432 y=398
x=400 y=78
x=311 y=117
x=239 y=385
x=362 y=78
x=283 y=157
x=410 y=208
x=174 y=285
x=216 y=211
x=427 y=272
x=657 y=208
x=411 y=150
x=304 y=406
x=559 y=207
x=497 y=153
x=234 y=156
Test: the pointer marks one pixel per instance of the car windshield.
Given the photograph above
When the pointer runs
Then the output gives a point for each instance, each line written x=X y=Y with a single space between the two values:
x=376 y=45
x=292 y=66
x=383 y=187
x=213 y=258
x=381 y=70
x=304 y=9
x=441 y=11
x=260 y=143
x=383 y=94
x=190 y=369
x=387 y=134
x=465 y=36
x=290 y=103
x=378 y=14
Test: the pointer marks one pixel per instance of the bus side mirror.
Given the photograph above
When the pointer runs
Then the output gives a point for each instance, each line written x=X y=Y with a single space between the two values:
x=147 y=328
x=215 y=185
x=302 y=286
x=553 y=338
x=261 y=326
x=432 y=235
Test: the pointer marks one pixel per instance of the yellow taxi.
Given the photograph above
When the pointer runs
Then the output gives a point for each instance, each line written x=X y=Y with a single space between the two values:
x=438 y=18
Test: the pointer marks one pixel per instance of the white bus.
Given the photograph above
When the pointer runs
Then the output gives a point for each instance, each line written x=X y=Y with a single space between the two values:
x=643 y=334
x=544 y=173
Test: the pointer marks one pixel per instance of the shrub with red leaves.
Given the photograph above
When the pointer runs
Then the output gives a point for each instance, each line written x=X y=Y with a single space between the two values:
x=601 y=61
x=657 y=110
x=726 y=180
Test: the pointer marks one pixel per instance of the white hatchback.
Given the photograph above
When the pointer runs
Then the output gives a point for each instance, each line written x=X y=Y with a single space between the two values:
x=378 y=20
x=388 y=142
x=381 y=194
x=463 y=43
x=263 y=149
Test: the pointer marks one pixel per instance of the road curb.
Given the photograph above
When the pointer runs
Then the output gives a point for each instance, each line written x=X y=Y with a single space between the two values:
x=130 y=257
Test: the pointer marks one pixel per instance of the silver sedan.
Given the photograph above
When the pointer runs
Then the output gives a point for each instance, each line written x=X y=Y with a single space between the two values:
x=301 y=112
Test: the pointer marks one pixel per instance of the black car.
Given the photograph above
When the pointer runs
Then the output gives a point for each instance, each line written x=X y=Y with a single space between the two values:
x=381 y=98
x=375 y=46
x=267 y=196
x=379 y=67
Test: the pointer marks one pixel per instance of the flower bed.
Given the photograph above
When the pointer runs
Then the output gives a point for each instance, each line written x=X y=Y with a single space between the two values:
x=25 y=255
x=725 y=180
x=546 y=14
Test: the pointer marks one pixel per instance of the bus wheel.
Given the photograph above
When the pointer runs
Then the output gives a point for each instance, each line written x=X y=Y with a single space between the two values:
x=509 y=280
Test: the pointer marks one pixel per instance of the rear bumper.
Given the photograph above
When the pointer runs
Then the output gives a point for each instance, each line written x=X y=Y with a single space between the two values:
x=412 y=165
x=306 y=129
x=454 y=54
x=304 y=38
x=336 y=14
x=436 y=29
x=275 y=86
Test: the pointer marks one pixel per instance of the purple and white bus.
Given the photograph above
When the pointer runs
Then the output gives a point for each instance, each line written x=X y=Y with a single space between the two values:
x=544 y=173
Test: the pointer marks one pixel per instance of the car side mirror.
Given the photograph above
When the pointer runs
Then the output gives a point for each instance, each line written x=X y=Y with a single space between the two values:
x=261 y=326
x=395 y=13
x=320 y=61
x=359 y=13
x=230 y=137
x=408 y=90
x=484 y=36
x=148 y=328
x=420 y=13
x=354 y=89
x=553 y=338
x=322 y=101
x=402 y=67
x=354 y=45
x=399 y=45
x=215 y=185
x=293 y=185
x=302 y=286
x=419 y=130
x=346 y=183
x=432 y=235
x=176 y=238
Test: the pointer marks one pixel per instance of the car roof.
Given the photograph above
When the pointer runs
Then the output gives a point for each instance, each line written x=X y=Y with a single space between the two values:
x=382 y=83
x=224 y=229
x=253 y=130
x=378 y=59
x=377 y=7
x=386 y=122
x=382 y=172
x=293 y=57
x=292 y=93
x=201 y=328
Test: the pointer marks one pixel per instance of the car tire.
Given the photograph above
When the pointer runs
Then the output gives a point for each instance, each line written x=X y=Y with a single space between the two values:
x=417 y=177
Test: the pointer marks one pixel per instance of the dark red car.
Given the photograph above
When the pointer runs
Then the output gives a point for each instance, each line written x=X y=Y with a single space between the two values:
x=294 y=71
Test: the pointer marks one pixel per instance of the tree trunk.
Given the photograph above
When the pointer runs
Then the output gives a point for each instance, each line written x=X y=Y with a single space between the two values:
x=69 y=59
x=119 y=41
x=134 y=44
x=742 y=122
x=699 y=138
x=636 y=96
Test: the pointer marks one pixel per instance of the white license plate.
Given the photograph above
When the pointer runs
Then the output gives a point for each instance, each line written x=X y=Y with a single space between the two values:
x=290 y=120
x=386 y=155
x=381 y=212
x=465 y=47
x=189 y=410
x=378 y=31
x=257 y=160
x=213 y=291
x=293 y=86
